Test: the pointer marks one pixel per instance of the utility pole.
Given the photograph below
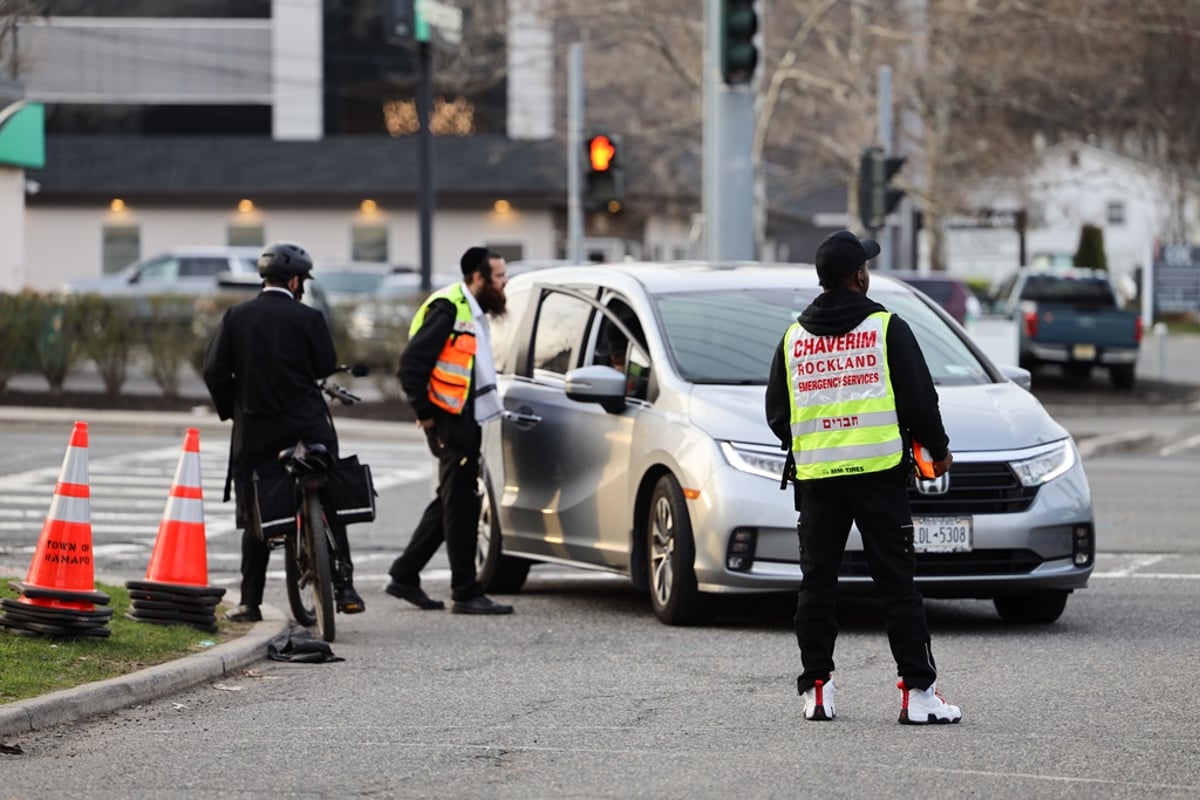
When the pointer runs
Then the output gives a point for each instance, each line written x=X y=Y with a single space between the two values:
x=574 y=150
x=887 y=139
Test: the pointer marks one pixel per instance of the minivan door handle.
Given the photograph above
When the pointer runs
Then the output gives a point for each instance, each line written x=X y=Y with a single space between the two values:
x=523 y=417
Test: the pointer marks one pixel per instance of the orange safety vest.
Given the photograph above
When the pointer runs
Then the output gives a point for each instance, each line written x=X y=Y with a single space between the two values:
x=450 y=381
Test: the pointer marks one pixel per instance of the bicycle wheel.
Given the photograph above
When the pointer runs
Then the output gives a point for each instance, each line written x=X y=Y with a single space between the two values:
x=316 y=541
x=299 y=584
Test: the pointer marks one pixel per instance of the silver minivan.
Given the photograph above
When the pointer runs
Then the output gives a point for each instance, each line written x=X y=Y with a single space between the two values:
x=634 y=441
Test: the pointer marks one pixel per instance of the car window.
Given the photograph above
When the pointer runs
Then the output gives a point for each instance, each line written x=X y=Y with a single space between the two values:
x=730 y=337
x=613 y=347
x=351 y=282
x=202 y=267
x=950 y=360
x=249 y=265
x=1058 y=289
x=558 y=336
x=503 y=329
x=159 y=271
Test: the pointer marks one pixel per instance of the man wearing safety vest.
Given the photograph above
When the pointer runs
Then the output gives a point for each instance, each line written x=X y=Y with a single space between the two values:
x=449 y=377
x=848 y=393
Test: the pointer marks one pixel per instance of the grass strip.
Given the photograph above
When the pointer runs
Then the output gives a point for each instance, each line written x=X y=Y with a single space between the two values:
x=34 y=665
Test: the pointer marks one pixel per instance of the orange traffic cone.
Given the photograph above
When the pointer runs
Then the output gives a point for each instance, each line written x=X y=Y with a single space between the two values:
x=180 y=554
x=58 y=595
x=176 y=585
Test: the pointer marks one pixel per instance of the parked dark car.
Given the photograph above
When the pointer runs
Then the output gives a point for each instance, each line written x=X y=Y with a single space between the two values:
x=948 y=292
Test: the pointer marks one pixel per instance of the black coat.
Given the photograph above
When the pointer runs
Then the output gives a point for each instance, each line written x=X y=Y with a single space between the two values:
x=261 y=369
x=842 y=310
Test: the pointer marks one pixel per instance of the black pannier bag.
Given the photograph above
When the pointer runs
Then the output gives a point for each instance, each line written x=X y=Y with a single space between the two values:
x=350 y=493
x=274 y=504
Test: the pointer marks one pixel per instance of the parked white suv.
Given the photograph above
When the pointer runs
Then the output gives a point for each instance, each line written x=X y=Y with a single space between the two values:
x=181 y=270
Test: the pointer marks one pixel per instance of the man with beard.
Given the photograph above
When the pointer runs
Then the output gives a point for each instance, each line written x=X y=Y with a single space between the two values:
x=449 y=377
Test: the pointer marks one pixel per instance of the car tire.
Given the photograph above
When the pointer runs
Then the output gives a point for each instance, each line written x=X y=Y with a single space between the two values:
x=498 y=573
x=1032 y=608
x=671 y=555
x=1122 y=377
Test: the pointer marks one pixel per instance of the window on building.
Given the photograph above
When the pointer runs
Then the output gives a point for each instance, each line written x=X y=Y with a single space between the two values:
x=511 y=252
x=245 y=236
x=369 y=243
x=1116 y=212
x=121 y=246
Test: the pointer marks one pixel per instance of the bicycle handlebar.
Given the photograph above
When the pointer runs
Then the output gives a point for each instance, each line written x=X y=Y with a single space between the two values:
x=337 y=392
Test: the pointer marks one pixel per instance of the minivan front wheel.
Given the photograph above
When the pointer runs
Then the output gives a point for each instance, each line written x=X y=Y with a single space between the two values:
x=497 y=572
x=1032 y=608
x=672 y=556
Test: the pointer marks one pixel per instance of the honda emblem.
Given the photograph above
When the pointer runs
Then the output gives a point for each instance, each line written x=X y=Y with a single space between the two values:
x=938 y=485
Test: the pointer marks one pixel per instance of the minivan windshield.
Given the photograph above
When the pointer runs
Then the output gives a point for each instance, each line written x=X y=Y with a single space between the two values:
x=729 y=336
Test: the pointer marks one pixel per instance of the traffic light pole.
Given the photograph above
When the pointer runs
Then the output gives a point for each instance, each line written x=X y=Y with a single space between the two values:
x=886 y=137
x=425 y=160
x=728 y=181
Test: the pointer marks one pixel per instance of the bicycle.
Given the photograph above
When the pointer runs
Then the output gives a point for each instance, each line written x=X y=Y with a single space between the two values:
x=310 y=550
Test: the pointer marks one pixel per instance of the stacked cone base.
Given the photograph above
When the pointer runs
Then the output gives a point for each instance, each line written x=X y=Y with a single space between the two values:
x=174 y=604
x=41 y=611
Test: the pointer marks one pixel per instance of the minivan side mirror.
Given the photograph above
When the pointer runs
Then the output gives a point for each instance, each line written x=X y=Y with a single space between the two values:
x=597 y=384
x=1018 y=375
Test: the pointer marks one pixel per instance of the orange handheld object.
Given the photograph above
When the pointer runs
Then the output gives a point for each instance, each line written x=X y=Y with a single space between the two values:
x=923 y=462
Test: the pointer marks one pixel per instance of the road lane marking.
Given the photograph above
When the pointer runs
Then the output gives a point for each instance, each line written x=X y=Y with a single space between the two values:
x=1179 y=447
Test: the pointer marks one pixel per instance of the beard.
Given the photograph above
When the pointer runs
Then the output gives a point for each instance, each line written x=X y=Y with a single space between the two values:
x=492 y=300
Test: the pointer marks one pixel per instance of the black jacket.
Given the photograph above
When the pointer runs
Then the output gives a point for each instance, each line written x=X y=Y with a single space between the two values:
x=458 y=432
x=839 y=311
x=261 y=370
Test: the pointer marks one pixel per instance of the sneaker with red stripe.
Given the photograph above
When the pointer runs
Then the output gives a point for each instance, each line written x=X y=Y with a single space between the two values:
x=925 y=706
x=818 y=701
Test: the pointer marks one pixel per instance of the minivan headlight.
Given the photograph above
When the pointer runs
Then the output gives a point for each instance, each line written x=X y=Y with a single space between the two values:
x=754 y=459
x=1045 y=466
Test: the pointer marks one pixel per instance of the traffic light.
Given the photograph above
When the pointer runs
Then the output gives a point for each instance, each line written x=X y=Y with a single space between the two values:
x=605 y=185
x=739 y=48
x=876 y=196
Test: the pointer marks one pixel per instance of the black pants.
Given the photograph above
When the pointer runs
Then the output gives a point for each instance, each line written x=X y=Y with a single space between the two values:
x=453 y=517
x=878 y=504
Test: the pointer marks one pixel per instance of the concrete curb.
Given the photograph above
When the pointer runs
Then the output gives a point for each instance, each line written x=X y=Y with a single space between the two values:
x=173 y=423
x=1112 y=442
x=102 y=697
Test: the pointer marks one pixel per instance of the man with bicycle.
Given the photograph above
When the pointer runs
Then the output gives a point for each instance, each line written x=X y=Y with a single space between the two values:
x=448 y=375
x=261 y=369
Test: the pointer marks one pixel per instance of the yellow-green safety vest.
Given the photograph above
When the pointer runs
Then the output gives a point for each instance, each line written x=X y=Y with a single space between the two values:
x=843 y=406
x=450 y=381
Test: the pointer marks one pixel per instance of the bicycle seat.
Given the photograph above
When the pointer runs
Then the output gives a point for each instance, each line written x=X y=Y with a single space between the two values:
x=313 y=456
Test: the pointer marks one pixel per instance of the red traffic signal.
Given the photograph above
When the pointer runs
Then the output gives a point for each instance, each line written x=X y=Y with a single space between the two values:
x=601 y=153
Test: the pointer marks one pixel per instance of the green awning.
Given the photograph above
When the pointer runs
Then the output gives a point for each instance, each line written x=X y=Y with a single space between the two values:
x=23 y=135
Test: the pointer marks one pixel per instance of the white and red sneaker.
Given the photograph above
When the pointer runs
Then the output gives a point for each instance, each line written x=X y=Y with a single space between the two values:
x=925 y=706
x=818 y=701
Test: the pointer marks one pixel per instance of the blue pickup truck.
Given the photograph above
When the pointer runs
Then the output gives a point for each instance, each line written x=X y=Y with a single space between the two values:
x=1071 y=318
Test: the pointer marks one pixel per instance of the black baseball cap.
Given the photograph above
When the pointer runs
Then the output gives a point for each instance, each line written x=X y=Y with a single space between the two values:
x=840 y=254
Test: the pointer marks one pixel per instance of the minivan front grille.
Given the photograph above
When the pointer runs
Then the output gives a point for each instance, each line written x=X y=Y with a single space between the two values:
x=975 y=488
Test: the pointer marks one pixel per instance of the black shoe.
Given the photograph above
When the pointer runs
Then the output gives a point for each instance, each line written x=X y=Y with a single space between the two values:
x=415 y=595
x=244 y=614
x=479 y=605
x=348 y=601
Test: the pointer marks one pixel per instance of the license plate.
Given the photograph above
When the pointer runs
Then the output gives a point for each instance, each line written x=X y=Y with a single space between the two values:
x=1084 y=352
x=942 y=534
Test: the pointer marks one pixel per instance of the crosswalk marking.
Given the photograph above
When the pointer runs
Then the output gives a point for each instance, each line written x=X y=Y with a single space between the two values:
x=129 y=492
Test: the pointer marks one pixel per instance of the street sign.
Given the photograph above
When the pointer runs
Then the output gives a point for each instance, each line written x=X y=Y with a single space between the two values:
x=434 y=22
x=1176 y=279
x=438 y=22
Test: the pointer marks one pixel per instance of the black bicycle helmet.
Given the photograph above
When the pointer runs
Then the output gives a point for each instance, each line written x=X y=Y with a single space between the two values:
x=282 y=260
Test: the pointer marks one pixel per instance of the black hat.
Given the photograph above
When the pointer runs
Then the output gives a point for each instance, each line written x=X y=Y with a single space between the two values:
x=474 y=260
x=840 y=254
